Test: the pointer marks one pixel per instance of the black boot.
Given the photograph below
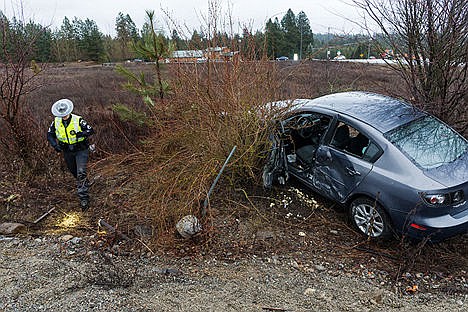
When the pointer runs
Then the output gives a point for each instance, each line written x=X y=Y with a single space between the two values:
x=84 y=203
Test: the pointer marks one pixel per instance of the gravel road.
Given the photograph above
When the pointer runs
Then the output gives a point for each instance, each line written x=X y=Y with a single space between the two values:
x=62 y=273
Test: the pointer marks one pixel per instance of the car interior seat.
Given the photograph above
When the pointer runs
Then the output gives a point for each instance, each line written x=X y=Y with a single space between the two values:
x=306 y=153
x=341 y=137
x=357 y=144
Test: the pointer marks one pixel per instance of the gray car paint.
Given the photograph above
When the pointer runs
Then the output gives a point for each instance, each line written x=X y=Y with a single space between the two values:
x=393 y=180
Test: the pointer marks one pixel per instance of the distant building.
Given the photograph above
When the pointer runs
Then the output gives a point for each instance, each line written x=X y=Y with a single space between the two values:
x=387 y=54
x=339 y=57
x=219 y=54
x=186 y=56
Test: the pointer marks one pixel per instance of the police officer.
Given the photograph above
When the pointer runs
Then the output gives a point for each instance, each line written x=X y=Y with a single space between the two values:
x=69 y=134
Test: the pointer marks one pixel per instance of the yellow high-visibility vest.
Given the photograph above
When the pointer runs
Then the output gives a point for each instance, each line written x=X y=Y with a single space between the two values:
x=68 y=135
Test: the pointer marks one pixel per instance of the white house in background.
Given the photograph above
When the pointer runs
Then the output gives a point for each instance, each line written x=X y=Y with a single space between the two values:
x=200 y=56
x=190 y=56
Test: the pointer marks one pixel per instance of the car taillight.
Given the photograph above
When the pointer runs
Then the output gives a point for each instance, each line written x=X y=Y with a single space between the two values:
x=443 y=199
x=435 y=199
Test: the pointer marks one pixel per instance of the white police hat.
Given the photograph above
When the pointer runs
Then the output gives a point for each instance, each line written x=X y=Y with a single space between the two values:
x=62 y=108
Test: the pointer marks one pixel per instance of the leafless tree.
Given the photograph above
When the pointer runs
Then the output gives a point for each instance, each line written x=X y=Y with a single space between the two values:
x=430 y=43
x=17 y=76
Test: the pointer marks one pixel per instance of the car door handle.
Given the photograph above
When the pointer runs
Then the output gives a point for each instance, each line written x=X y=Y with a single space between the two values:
x=352 y=172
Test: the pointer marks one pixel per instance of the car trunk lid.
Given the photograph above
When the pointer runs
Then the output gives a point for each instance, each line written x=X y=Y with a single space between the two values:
x=450 y=174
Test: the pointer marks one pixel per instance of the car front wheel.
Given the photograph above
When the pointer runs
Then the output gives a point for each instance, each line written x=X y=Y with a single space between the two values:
x=369 y=218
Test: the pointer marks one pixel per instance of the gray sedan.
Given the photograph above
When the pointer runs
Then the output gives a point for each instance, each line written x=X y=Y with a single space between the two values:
x=395 y=168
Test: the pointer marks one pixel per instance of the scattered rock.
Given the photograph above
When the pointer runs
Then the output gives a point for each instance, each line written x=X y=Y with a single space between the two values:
x=188 y=226
x=377 y=298
x=309 y=291
x=263 y=235
x=319 y=267
x=334 y=232
x=76 y=240
x=66 y=238
x=371 y=275
x=294 y=264
x=12 y=228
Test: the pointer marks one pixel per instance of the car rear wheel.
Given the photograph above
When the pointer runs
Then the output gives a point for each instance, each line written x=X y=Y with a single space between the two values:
x=369 y=218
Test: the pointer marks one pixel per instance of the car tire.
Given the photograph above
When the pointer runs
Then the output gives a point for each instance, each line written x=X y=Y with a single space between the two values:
x=369 y=218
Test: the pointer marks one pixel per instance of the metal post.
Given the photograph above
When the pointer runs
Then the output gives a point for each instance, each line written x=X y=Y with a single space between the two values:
x=205 y=203
x=368 y=49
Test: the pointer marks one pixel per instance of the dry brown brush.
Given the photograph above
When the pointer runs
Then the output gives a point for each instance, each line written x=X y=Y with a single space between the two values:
x=214 y=107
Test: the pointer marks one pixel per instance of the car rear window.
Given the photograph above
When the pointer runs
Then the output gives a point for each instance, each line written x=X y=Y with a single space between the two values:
x=428 y=142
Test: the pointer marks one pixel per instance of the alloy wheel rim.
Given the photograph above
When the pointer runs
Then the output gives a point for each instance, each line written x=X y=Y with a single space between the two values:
x=368 y=220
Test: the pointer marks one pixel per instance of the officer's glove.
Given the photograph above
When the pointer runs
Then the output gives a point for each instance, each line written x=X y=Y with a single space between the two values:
x=80 y=135
x=58 y=149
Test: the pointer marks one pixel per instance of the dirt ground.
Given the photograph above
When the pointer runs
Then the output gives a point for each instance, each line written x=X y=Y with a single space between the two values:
x=290 y=251
x=50 y=274
x=280 y=250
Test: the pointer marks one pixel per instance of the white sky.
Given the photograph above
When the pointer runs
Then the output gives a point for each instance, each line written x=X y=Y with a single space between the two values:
x=321 y=13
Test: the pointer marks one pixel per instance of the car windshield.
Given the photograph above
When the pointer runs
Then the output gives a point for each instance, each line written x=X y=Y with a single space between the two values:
x=428 y=142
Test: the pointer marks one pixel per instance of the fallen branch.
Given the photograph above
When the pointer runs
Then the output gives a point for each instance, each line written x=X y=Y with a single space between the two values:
x=376 y=252
x=44 y=215
x=103 y=223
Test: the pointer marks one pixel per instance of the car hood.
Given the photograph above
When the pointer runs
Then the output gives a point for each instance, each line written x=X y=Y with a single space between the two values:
x=451 y=174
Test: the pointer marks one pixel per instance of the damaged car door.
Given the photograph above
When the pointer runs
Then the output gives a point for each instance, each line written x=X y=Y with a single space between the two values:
x=294 y=145
x=327 y=155
x=343 y=163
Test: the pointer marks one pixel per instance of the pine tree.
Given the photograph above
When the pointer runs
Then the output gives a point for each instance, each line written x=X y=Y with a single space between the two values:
x=90 y=40
x=68 y=43
x=127 y=33
x=306 y=37
x=291 y=34
x=274 y=38
x=196 y=42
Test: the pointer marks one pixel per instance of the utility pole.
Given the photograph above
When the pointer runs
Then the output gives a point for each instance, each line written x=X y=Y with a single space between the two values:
x=300 y=51
x=368 y=49
x=328 y=44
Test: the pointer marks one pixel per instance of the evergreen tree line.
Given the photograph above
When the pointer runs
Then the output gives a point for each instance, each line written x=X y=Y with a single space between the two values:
x=79 y=39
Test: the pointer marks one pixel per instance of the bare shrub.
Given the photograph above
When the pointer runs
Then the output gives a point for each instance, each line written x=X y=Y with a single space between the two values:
x=213 y=107
x=18 y=73
x=430 y=42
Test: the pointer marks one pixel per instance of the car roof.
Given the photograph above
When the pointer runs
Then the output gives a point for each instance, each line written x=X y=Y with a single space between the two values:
x=382 y=112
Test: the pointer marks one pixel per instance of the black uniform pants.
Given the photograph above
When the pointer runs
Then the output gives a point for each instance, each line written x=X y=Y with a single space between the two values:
x=76 y=162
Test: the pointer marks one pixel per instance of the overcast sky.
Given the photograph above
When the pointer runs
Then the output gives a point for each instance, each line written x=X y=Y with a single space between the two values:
x=321 y=13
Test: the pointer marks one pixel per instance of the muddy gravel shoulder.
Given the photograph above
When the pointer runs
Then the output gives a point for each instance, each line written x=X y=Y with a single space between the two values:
x=55 y=274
